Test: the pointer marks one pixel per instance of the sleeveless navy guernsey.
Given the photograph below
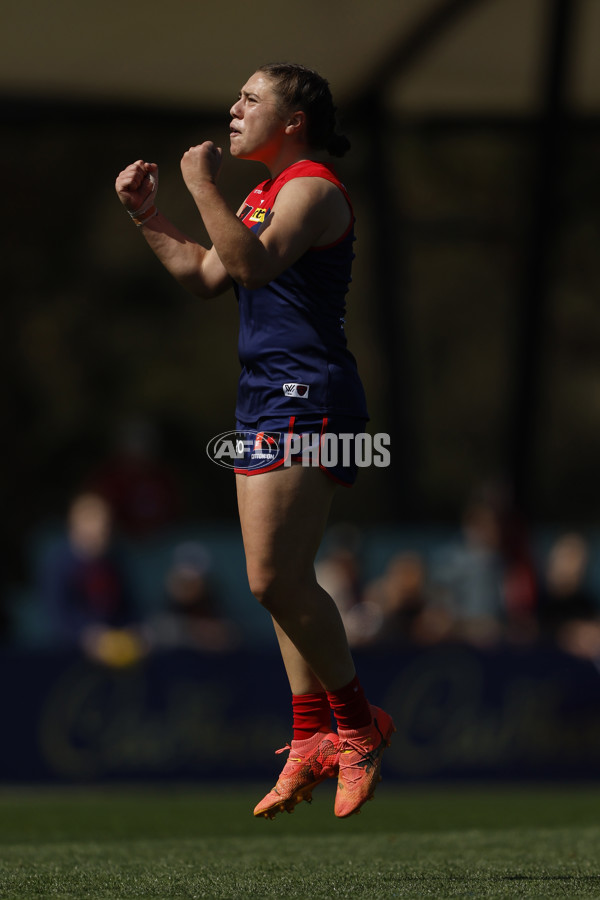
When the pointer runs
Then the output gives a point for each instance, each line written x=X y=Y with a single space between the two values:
x=292 y=346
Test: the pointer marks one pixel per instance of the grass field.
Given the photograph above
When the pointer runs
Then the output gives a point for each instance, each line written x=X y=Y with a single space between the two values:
x=203 y=842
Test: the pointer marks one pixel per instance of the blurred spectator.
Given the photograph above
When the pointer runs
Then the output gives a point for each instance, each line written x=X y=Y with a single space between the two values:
x=85 y=588
x=139 y=487
x=520 y=586
x=469 y=575
x=489 y=577
x=192 y=616
x=398 y=607
x=568 y=610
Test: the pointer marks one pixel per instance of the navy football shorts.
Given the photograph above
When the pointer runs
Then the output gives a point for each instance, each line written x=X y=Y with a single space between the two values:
x=326 y=442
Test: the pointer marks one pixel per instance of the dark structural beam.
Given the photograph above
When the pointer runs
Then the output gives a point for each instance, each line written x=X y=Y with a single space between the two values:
x=551 y=142
x=390 y=282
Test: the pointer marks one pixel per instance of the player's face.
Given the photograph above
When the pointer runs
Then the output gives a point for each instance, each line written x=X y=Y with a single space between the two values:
x=257 y=122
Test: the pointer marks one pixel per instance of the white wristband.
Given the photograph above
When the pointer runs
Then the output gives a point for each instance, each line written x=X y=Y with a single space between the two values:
x=144 y=217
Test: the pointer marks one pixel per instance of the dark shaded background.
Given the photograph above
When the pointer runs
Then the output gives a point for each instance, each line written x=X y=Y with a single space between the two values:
x=474 y=309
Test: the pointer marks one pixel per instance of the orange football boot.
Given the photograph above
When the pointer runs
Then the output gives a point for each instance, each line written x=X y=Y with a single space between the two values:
x=361 y=752
x=309 y=763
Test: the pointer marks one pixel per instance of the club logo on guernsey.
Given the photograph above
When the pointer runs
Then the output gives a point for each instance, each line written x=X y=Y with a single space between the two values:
x=296 y=390
x=258 y=215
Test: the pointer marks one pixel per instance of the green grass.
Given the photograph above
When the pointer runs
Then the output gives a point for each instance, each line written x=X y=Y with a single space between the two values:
x=199 y=842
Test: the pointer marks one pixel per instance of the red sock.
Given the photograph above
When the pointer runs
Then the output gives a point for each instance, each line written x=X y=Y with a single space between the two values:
x=350 y=706
x=311 y=714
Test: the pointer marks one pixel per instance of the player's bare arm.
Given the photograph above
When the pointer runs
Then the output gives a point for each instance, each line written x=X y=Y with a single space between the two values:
x=308 y=212
x=195 y=267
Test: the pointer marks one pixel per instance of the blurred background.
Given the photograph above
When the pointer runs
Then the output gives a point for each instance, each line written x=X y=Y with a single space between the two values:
x=468 y=572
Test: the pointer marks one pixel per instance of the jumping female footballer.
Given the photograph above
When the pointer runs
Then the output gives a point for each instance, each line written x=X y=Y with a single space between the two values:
x=288 y=254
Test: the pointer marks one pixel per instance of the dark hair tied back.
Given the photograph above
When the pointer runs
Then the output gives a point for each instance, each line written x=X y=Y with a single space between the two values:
x=301 y=88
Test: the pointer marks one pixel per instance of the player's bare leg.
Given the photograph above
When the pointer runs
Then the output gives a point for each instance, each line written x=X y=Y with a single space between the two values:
x=301 y=677
x=283 y=515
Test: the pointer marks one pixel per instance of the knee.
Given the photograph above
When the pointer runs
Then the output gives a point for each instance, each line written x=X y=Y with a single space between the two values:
x=265 y=585
x=279 y=577
x=276 y=588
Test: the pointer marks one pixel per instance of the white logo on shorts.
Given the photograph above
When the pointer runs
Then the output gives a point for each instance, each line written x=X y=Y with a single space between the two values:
x=296 y=390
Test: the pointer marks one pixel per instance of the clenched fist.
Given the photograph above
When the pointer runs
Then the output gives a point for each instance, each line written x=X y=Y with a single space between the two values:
x=137 y=185
x=200 y=164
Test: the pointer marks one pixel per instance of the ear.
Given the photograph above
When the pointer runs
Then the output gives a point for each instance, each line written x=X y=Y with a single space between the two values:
x=296 y=123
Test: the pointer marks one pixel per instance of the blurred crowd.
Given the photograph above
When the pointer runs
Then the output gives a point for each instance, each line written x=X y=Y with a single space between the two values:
x=90 y=601
x=485 y=587
x=85 y=592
